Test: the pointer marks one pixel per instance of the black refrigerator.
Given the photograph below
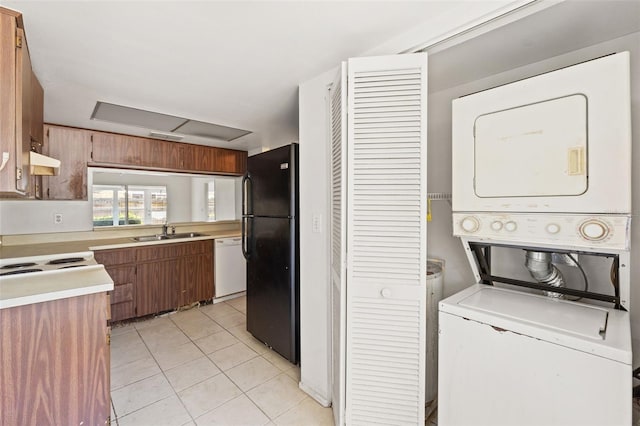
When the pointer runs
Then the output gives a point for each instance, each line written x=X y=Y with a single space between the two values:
x=270 y=244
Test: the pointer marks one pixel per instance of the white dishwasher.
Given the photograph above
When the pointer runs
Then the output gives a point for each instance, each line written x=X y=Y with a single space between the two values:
x=230 y=268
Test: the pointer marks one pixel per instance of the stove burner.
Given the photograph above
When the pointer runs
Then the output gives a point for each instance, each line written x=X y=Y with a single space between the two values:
x=72 y=266
x=66 y=260
x=21 y=271
x=18 y=265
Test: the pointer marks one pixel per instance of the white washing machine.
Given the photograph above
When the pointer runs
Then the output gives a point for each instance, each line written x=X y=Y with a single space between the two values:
x=515 y=358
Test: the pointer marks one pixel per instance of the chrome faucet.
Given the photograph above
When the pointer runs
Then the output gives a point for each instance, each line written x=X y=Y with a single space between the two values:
x=165 y=228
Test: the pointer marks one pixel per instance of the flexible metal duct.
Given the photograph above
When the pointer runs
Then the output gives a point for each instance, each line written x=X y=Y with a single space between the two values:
x=540 y=267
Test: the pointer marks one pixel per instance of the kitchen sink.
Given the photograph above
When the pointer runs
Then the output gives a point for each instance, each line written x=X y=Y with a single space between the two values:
x=185 y=235
x=151 y=238
x=160 y=237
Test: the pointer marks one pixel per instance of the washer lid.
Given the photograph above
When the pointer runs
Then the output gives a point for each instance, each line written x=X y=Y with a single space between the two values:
x=561 y=315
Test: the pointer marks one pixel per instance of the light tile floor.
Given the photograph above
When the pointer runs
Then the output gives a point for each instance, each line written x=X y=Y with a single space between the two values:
x=202 y=367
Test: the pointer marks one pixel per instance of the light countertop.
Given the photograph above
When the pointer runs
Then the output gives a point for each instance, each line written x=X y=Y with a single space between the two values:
x=27 y=250
x=60 y=284
x=44 y=287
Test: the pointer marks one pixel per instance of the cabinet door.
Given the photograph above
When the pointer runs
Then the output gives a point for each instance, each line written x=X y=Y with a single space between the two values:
x=338 y=123
x=230 y=161
x=73 y=148
x=196 y=278
x=386 y=239
x=156 y=287
x=111 y=148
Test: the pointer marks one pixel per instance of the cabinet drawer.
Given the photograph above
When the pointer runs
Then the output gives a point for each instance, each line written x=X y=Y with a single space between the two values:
x=122 y=293
x=160 y=251
x=173 y=250
x=122 y=274
x=115 y=257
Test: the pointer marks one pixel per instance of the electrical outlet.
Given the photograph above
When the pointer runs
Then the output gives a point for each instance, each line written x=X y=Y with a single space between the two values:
x=57 y=218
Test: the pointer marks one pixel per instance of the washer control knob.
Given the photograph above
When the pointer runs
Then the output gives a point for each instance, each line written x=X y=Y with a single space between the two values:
x=470 y=224
x=510 y=226
x=594 y=230
x=553 y=228
x=496 y=225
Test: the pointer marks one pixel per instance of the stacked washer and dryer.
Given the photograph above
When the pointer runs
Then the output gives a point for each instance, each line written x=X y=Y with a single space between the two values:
x=542 y=203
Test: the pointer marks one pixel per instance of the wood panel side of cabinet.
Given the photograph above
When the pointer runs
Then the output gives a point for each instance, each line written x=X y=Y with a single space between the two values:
x=8 y=100
x=37 y=113
x=23 y=112
x=55 y=362
x=73 y=148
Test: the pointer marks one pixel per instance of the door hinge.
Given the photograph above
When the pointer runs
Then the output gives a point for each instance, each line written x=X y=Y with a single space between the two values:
x=18 y=173
x=108 y=339
x=18 y=41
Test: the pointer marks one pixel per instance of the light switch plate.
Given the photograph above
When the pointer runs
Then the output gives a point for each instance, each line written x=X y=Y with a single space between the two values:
x=316 y=223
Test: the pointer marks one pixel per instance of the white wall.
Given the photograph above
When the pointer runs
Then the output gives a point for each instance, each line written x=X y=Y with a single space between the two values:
x=315 y=338
x=31 y=216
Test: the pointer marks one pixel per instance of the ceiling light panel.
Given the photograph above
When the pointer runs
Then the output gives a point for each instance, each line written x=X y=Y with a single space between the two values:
x=135 y=117
x=210 y=130
x=163 y=122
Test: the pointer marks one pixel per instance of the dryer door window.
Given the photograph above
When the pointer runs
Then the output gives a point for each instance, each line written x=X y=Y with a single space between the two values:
x=533 y=150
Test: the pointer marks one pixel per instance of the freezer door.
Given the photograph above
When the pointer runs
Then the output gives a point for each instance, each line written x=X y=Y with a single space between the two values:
x=272 y=289
x=272 y=180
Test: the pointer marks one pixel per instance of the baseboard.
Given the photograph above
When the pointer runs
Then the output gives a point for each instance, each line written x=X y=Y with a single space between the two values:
x=315 y=395
x=229 y=297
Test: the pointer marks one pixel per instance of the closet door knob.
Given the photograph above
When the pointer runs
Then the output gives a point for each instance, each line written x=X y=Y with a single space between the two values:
x=385 y=292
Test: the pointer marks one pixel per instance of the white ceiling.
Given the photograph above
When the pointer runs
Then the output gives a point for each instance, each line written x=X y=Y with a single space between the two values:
x=233 y=63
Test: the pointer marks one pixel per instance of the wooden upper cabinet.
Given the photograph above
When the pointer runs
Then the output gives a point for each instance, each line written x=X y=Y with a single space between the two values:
x=114 y=149
x=231 y=161
x=208 y=159
x=73 y=148
x=152 y=154
x=16 y=113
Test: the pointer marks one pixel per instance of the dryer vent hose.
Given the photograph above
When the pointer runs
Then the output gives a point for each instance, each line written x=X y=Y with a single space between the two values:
x=540 y=267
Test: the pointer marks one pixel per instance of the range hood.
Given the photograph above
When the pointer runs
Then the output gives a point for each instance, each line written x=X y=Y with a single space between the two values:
x=41 y=165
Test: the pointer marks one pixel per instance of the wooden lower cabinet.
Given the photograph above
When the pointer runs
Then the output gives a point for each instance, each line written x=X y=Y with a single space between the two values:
x=196 y=282
x=55 y=361
x=120 y=265
x=155 y=288
x=157 y=278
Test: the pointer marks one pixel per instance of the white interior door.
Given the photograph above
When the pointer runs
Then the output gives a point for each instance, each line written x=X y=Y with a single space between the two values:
x=386 y=239
x=338 y=114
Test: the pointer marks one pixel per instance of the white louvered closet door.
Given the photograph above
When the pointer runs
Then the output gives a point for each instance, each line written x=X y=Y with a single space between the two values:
x=386 y=239
x=338 y=114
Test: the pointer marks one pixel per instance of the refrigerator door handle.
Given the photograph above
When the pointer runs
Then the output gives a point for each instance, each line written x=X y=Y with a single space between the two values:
x=245 y=236
x=247 y=198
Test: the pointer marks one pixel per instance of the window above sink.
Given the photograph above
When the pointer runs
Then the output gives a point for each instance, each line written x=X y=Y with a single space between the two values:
x=121 y=197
